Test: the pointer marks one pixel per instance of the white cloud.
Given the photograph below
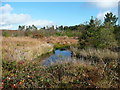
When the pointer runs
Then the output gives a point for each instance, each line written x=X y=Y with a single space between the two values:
x=6 y=27
x=12 y=18
x=40 y=23
x=102 y=14
x=9 y=19
x=106 y=4
x=6 y=8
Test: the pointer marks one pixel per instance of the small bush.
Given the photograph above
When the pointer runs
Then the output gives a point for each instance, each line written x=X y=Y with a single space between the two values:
x=15 y=35
x=28 y=33
x=117 y=34
x=38 y=36
x=5 y=34
x=102 y=37
x=106 y=38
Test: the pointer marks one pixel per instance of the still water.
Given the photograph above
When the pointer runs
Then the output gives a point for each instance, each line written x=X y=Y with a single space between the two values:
x=57 y=56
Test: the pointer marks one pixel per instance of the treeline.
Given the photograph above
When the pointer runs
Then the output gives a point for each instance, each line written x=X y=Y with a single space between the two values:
x=101 y=35
x=94 y=24
x=26 y=28
x=57 y=28
x=94 y=33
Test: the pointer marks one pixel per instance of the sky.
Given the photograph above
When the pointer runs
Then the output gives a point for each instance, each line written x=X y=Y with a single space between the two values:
x=13 y=14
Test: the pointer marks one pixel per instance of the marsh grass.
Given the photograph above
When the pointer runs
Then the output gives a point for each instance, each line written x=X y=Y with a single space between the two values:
x=100 y=53
x=23 y=48
x=96 y=54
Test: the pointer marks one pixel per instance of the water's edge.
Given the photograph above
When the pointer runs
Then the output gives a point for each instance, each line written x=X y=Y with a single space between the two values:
x=57 y=56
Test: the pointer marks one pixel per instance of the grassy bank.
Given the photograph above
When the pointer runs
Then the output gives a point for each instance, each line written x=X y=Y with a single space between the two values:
x=24 y=48
x=60 y=46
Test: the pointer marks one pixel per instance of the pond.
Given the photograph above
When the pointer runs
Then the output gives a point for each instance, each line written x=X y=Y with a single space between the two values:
x=58 y=56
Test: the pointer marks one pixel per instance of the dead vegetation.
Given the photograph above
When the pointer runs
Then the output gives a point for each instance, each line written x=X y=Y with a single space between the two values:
x=61 y=40
x=23 y=48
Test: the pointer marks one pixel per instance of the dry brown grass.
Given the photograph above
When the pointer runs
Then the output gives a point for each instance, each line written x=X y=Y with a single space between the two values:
x=61 y=40
x=100 y=53
x=23 y=48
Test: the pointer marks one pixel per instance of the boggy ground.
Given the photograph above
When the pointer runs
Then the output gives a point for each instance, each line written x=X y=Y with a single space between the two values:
x=74 y=74
x=26 y=48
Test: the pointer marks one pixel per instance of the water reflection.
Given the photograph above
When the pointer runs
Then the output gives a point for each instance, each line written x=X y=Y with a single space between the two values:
x=59 y=55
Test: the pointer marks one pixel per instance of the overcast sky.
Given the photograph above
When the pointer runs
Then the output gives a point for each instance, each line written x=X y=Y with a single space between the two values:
x=42 y=14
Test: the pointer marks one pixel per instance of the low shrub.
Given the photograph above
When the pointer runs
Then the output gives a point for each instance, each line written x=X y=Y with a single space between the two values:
x=5 y=34
x=65 y=75
x=28 y=33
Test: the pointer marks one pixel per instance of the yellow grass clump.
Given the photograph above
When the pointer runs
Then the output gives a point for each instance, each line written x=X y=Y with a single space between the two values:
x=23 y=48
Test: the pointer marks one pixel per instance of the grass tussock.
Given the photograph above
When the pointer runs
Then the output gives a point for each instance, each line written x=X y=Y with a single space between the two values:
x=23 y=48
x=101 y=53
